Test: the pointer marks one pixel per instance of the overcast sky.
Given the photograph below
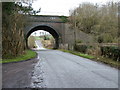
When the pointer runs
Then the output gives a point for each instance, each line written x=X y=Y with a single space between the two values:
x=40 y=33
x=61 y=7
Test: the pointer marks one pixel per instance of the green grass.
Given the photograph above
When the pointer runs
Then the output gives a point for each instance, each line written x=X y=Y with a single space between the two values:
x=108 y=61
x=79 y=54
x=101 y=59
x=29 y=54
x=37 y=37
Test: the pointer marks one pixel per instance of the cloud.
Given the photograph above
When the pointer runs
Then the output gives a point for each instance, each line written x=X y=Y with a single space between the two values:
x=60 y=7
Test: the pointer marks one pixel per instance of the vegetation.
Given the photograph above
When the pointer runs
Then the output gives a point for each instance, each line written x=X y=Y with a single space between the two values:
x=108 y=61
x=48 y=41
x=12 y=31
x=81 y=48
x=111 y=52
x=100 y=21
x=64 y=18
x=37 y=37
x=31 y=42
x=104 y=60
x=28 y=54
x=79 y=54
x=13 y=23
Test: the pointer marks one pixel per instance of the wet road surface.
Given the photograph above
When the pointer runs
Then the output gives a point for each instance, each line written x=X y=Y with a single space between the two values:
x=18 y=75
x=57 y=69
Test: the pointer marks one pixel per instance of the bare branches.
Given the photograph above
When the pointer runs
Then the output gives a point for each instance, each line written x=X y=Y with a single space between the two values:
x=99 y=21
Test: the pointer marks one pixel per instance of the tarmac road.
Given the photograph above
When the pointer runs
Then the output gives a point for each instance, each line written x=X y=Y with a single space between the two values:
x=18 y=75
x=57 y=69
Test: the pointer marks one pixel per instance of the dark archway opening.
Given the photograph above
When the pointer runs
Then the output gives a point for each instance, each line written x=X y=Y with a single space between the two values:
x=48 y=29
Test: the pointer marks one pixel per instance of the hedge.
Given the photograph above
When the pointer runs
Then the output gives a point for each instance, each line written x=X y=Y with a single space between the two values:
x=111 y=52
x=81 y=48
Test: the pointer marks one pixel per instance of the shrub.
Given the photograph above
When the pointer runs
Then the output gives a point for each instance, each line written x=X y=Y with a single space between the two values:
x=31 y=42
x=81 y=48
x=111 y=52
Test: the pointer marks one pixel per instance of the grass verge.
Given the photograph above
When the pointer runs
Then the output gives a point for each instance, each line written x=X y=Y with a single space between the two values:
x=101 y=59
x=108 y=61
x=78 y=54
x=29 y=54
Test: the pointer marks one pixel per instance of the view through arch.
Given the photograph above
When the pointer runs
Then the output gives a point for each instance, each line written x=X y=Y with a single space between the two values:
x=41 y=39
x=49 y=31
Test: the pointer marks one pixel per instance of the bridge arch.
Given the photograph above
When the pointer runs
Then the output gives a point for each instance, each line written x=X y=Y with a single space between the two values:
x=49 y=29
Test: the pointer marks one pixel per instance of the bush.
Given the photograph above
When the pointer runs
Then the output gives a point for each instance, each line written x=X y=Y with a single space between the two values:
x=111 y=52
x=31 y=42
x=81 y=48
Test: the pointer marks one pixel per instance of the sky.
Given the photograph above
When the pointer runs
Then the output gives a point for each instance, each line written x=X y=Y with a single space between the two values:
x=61 y=7
x=40 y=33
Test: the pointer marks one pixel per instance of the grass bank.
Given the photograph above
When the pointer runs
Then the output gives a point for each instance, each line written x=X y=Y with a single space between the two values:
x=28 y=55
x=104 y=60
x=78 y=54
x=108 y=61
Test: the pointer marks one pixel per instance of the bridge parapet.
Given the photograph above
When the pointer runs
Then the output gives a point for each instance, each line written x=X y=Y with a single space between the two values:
x=46 y=18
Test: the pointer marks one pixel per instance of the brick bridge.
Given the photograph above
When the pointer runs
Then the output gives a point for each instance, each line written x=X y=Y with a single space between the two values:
x=52 y=24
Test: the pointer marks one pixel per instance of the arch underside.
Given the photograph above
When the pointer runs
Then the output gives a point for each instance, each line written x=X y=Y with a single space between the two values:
x=48 y=29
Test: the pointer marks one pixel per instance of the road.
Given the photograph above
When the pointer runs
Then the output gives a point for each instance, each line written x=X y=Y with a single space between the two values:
x=57 y=69
x=18 y=75
x=39 y=45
